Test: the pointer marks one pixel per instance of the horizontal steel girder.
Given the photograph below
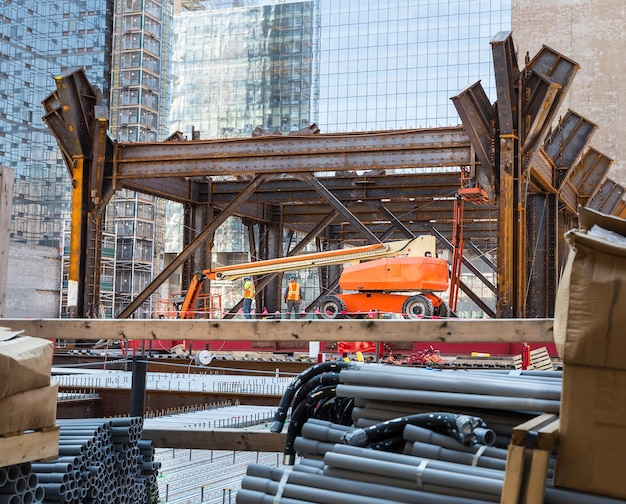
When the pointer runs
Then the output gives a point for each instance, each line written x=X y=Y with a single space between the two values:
x=389 y=150
x=347 y=189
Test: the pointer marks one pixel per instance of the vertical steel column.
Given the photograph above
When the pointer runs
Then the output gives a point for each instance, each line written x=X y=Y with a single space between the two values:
x=78 y=231
x=507 y=77
x=138 y=387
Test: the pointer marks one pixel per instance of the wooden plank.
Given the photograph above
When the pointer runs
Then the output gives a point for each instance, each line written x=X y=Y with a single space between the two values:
x=511 y=487
x=219 y=439
x=437 y=331
x=520 y=433
x=30 y=446
x=527 y=466
x=539 y=359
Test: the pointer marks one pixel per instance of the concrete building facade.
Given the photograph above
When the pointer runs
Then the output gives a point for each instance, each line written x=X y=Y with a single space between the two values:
x=591 y=34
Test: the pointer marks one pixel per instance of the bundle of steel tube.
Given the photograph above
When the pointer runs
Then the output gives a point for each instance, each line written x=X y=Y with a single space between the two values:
x=397 y=445
x=19 y=485
x=100 y=461
x=332 y=472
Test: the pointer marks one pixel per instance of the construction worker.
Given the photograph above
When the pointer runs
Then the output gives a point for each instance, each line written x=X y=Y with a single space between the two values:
x=248 y=296
x=293 y=297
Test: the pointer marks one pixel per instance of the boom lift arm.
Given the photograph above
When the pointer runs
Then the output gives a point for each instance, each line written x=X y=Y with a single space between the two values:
x=408 y=248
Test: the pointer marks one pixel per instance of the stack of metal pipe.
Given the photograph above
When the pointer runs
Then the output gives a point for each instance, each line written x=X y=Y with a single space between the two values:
x=19 y=485
x=398 y=445
x=100 y=461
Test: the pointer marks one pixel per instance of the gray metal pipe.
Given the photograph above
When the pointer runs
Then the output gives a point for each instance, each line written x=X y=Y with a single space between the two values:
x=245 y=496
x=360 y=477
x=430 y=451
x=449 y=399
x=363 y=488
x=311 y=494
x=10 y=499
x=459 y=382
x=410 y=460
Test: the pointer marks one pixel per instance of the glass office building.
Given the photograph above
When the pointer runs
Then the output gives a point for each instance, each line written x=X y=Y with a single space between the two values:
x=396 y=64
x=38 y=41
x=238 y=68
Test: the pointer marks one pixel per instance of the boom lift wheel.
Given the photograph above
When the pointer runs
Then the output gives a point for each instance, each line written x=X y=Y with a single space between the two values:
x=417 y=306
x=331 y=307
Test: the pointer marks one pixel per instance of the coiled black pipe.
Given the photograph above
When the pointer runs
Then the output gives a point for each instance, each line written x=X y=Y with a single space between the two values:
x=464 y=428
x=285 y=402
x=299 y=416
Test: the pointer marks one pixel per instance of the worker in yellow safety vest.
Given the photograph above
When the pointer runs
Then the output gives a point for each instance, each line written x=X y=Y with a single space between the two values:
x=248 y=296
x=293 y=297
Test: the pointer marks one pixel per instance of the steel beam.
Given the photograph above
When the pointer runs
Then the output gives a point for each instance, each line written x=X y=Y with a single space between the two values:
x=339 y=207
x=567 y=142
x=385 y=150
x=588 y=173
x=546 y=80
x=607 y=198
x=478 y=116
x=190 y=249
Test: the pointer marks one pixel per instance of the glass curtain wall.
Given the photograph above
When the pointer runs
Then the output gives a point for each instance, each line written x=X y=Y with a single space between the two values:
x=38 y=41
x=396 y=64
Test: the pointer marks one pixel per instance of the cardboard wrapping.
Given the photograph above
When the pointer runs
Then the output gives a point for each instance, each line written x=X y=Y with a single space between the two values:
x=590 y=335
x=29 y=410
x=590 y=307
x=25 y=363
x=592 y=440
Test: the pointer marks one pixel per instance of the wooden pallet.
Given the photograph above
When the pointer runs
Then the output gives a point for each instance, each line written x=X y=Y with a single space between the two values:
x=528 y=459
x=539 y=360
x=19 y=447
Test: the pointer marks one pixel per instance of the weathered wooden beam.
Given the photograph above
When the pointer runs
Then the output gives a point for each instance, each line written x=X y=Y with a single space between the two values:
x=219 y=439
x=435 y=330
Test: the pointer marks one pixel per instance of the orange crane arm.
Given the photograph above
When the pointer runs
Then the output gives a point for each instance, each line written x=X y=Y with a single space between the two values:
x=413 y=247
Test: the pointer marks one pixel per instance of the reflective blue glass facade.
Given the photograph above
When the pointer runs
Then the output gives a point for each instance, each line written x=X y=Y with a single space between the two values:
x=396 y=64
x=37 y=41
x=236 y=69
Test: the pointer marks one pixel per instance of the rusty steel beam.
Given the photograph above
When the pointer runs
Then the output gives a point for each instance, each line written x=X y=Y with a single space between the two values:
x=507 y=149
x=478 y=116
x=386 y=150
x=607 y=198
x=191 y=248
x=447 y=244
x=546 y=80
x=567 y=142
x=339 y=207
x=506 y=75
x=588 y=173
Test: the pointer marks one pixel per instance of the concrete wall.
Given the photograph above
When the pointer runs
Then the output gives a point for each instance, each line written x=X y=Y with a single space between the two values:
x=33 y=282
x=591 y=33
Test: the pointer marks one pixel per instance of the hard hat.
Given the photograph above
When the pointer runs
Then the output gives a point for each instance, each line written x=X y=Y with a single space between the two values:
x=292 y=277
x=246 y=278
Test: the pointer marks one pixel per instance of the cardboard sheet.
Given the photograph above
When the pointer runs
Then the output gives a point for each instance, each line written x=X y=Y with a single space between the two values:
x=25 y=363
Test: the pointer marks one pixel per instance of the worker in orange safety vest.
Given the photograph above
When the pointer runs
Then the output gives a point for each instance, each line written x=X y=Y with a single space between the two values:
x=248 y=296
x=293 y=297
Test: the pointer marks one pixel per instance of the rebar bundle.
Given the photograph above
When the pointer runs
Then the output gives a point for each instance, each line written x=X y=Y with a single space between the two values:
x=100 y=461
